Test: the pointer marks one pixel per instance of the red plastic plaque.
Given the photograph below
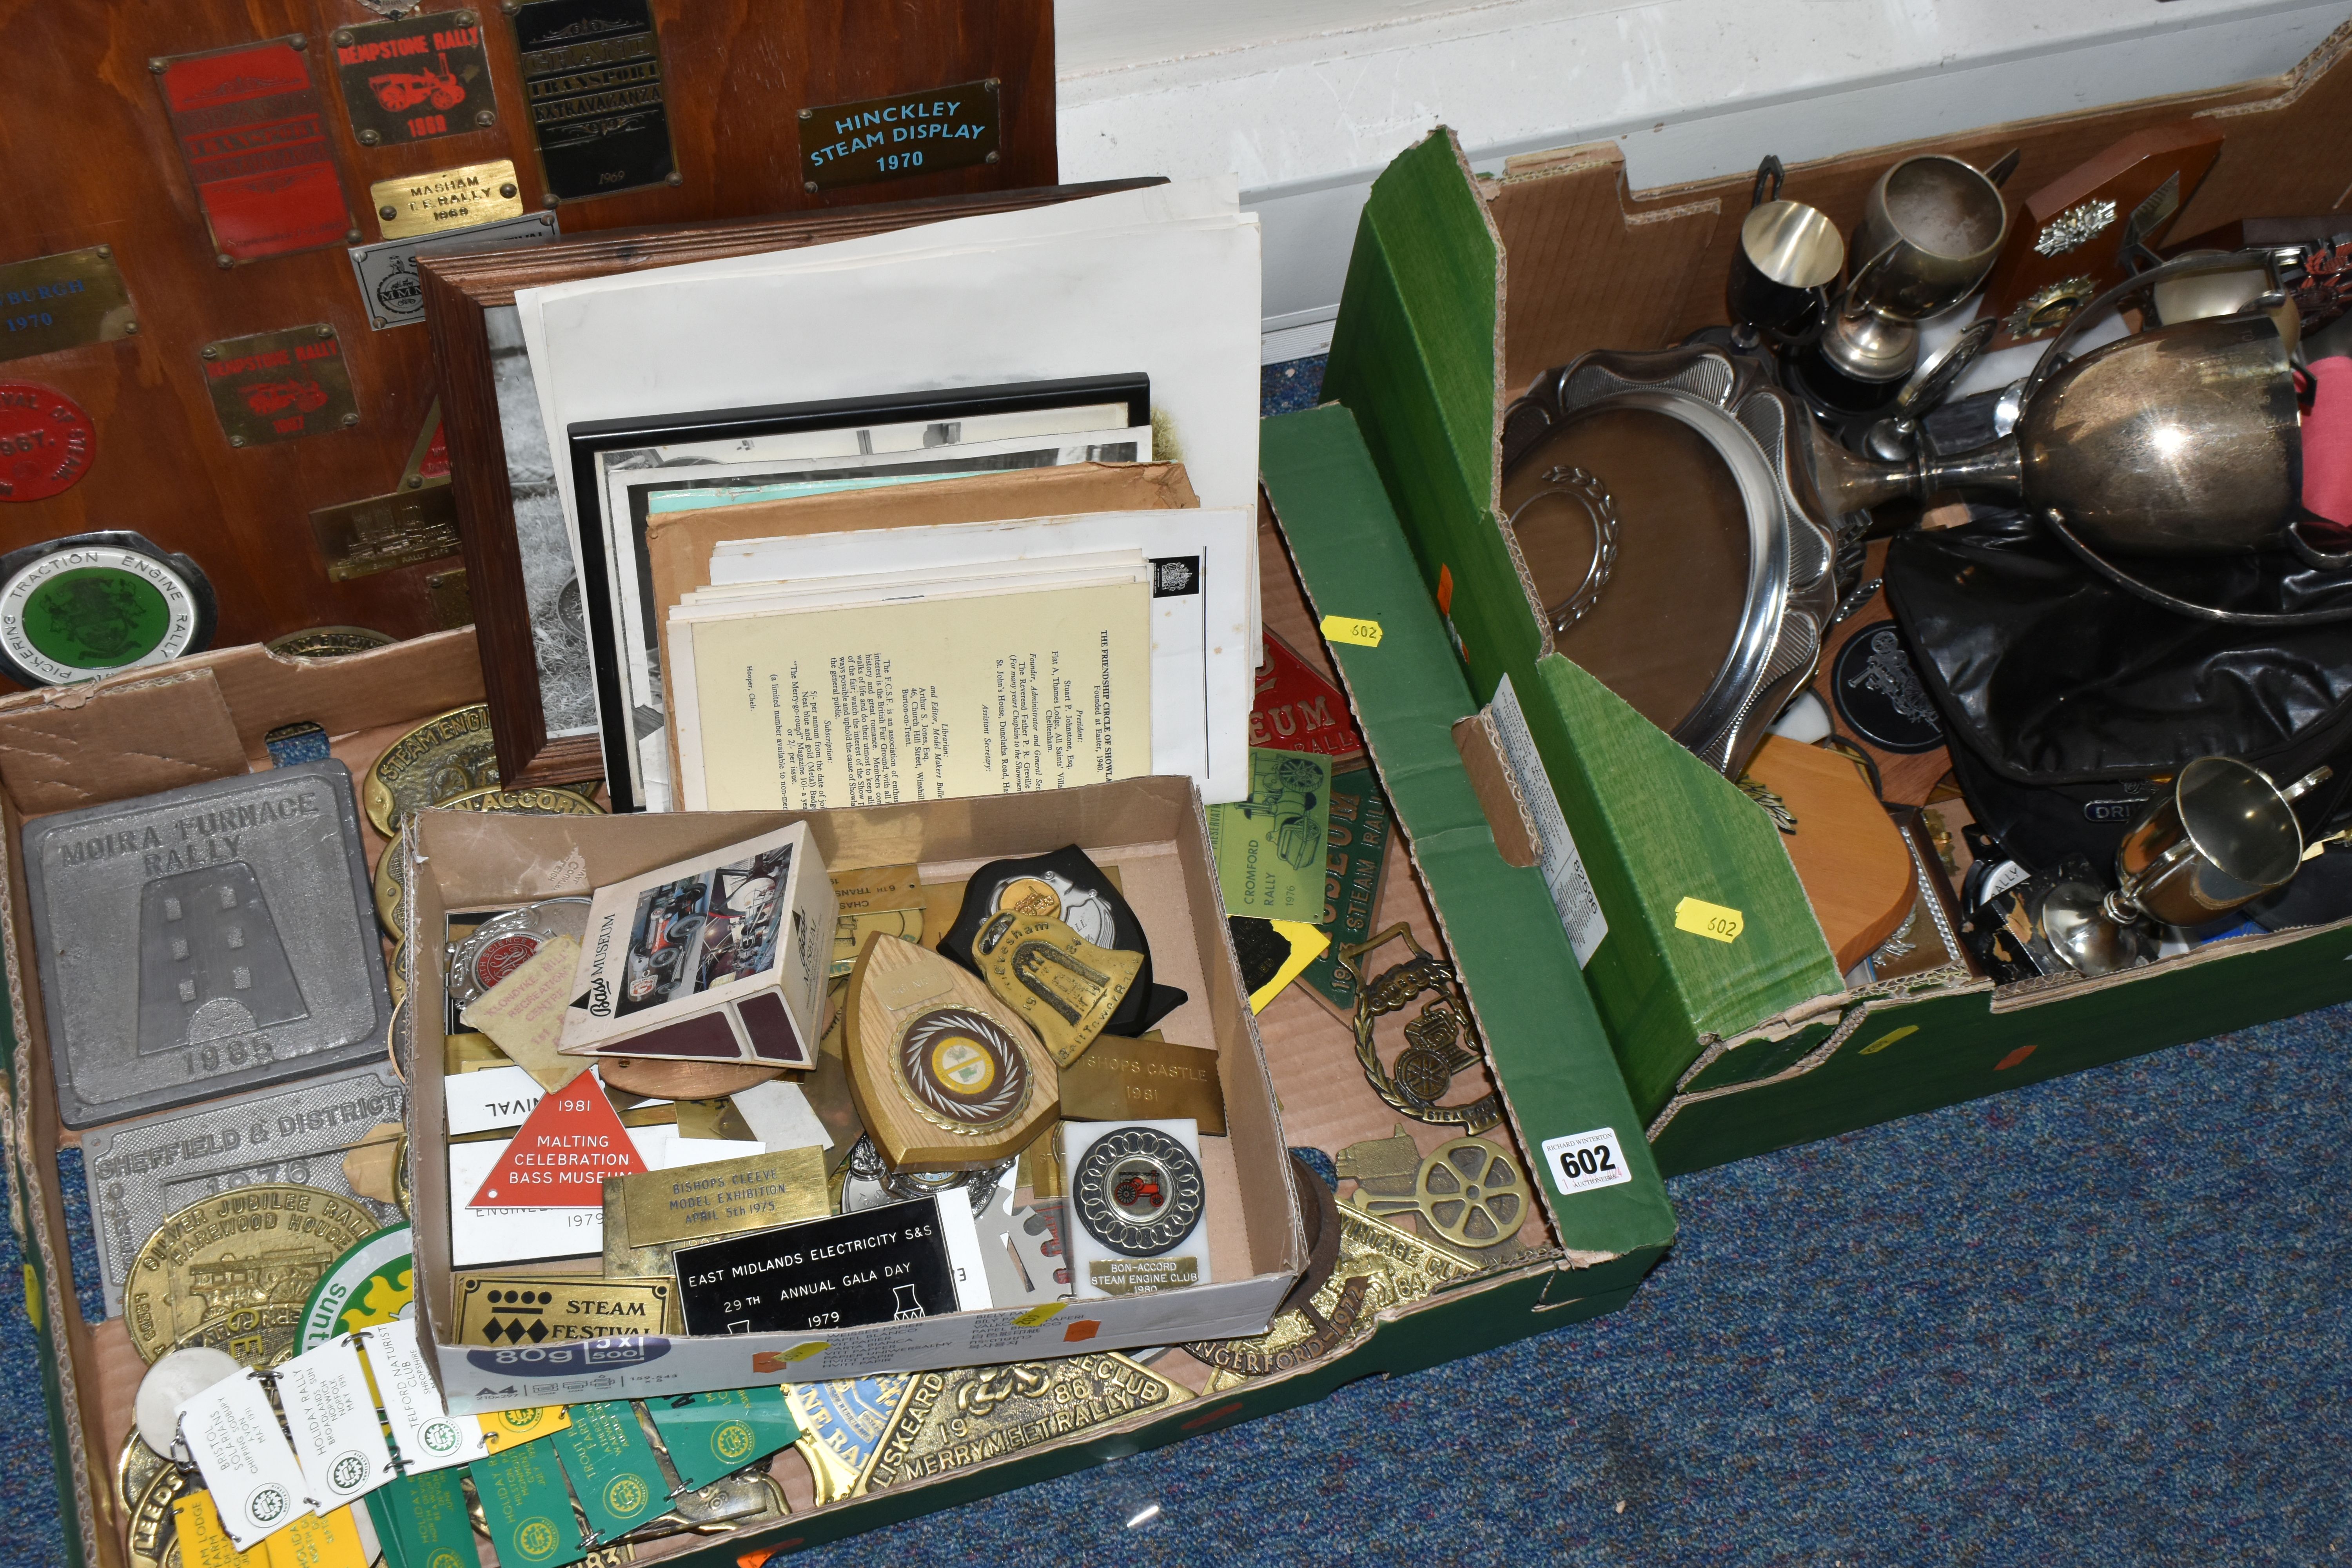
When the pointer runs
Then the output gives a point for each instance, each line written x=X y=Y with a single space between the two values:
x=1297 y=710
x=572 y=1141
x=254 y=133
x=47 y=441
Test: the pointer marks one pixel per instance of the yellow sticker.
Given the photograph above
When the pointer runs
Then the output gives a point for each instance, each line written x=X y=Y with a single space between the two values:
x=1700 y=918
x=1036 y=1315
x=1351 y=629
x=1887 y=1040
x=802 y=1352
x=511 y=1429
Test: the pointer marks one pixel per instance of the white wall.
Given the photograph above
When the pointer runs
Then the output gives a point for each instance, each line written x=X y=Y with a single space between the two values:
x=1307 y=100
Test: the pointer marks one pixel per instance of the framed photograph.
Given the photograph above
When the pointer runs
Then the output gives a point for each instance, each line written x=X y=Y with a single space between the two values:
x=622 y=468
x=529 y=610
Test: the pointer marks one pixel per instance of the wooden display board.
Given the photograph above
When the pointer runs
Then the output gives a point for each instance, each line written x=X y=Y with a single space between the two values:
x=96 y=159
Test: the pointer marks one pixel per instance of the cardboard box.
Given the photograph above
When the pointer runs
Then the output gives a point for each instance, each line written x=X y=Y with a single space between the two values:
x=207 y=717
x=1150 y=830
x=201 y=718
x=1461 y=290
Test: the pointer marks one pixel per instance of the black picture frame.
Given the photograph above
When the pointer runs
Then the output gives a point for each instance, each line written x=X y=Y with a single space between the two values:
x=586 y=441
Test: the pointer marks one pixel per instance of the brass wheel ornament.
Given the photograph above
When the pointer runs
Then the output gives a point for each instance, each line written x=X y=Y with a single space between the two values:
x=1433 y=1052
x=1469 y=1191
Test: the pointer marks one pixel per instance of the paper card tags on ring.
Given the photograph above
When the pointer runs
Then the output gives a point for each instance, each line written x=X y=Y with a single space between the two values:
x=280 y=386
x=504 y=1429
x=614 y=1470
x=424 y=1432
x=331 y=1416
x=421 y=1519
x=712 y=1434
x=915 y=1259
x=310 y=1542
x=245 y=1461
x=1584 y=1160
x=415 y=78
x=254 y=135
x=526 y=1507
x=62 y=301
x=393 y=289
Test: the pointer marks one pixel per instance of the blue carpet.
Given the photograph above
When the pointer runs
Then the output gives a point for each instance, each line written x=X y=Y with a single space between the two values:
x=2096 y=1321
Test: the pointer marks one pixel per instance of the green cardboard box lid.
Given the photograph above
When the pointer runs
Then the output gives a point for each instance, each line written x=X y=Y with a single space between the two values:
x=1416 y=358
x=1549 y=1054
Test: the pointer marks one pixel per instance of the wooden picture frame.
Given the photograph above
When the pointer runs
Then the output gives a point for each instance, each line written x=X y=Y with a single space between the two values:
x=462 y=295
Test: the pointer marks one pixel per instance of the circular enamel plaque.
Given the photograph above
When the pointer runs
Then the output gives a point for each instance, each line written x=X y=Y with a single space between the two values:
x=47 y=441
x=962 y=1069
x=76 y=609
x=1138 y=1192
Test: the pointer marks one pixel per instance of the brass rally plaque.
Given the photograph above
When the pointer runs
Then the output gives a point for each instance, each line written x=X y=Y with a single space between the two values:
x=280 y=386
x=63 y=302
x=452 y=599
x=532 y=1308
x=360 y=538
x=442 y=200
x=725 y=1197
x=892 y=138
x=888 y=899
x=1141 y=1081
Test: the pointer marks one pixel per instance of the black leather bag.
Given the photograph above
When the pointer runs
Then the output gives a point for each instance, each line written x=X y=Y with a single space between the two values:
x=2068 y=702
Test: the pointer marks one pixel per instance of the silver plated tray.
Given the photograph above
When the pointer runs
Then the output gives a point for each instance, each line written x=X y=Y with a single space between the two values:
x=1665 y=509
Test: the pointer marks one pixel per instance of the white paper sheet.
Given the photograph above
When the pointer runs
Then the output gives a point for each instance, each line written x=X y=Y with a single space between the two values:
x=626 y=488
x=1204 y=654
x=1163 y=280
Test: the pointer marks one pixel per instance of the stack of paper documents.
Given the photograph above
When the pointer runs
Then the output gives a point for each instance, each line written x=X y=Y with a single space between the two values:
x=1156 y=290
x=928 y=681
